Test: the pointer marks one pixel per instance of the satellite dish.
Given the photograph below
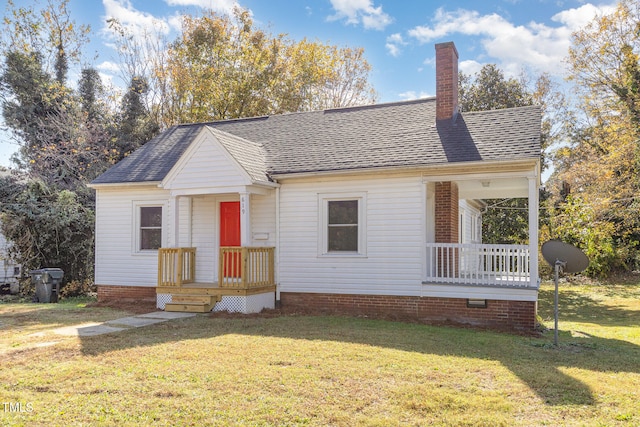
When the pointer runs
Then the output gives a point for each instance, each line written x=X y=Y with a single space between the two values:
x=565 y=257
x=573 y=258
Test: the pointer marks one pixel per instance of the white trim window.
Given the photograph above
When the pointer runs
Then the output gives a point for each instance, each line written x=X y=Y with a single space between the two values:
x=149 y=229
x=342 y=224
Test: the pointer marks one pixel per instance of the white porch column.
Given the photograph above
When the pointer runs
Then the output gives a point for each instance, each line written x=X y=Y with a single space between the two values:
x=533 y=229
x=175 y=206
x=245 y=219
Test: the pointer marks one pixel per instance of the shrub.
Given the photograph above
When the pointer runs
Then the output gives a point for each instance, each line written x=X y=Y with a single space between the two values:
x=77 y=288
x=576 y=223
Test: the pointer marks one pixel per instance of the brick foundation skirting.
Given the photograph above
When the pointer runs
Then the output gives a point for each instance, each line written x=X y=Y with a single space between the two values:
x=498 y=314
x=126 y=293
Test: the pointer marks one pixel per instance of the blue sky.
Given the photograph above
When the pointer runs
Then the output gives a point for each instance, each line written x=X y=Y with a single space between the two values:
x=398 y=36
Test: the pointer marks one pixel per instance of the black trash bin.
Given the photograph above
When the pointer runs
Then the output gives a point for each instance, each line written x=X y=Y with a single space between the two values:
x=47 y=283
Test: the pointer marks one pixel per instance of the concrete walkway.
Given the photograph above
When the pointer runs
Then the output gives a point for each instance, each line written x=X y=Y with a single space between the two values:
x=92 y=329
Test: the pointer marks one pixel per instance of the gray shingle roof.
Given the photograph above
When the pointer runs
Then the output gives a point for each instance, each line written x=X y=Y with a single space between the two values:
x=247 y=153
x=154 y=160
x=400 y=134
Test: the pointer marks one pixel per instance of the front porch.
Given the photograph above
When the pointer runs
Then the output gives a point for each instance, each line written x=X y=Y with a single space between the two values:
x=245 y=282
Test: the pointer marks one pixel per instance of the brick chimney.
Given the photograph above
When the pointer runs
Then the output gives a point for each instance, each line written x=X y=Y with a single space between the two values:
x=446 y=81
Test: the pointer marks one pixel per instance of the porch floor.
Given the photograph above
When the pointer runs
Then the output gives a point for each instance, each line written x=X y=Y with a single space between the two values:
x=207 y=288
x=499 y=282
x=201 y=297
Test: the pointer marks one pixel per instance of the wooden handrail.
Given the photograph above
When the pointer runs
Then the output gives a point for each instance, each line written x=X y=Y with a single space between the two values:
x=176 y=266
x=238 y=267
x=246 y=267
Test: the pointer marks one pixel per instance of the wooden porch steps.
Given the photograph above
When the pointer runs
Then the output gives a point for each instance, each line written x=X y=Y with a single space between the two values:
x=186 y=303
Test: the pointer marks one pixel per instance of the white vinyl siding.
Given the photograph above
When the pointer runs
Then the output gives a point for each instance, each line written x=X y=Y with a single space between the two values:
x=395 y=228
x=206 y=165
x=263 y=220
x=117 y=260
x=204 y=237
x=9 y=271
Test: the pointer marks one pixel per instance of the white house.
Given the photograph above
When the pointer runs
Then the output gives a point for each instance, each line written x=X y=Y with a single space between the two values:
x=9 y=269
x=369 y=210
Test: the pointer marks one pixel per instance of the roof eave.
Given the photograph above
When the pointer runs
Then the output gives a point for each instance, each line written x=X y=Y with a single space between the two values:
x=436 y=168
x=100 y=185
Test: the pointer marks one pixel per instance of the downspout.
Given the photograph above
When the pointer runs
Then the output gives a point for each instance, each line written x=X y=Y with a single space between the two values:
x=277 y=252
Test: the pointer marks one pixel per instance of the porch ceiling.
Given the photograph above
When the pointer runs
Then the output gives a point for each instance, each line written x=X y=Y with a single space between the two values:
x=493 y=188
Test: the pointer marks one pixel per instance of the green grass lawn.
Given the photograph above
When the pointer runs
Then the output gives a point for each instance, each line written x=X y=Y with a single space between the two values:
x=314 y=370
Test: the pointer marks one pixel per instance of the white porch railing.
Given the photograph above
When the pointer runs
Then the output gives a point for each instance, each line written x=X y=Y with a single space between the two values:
x=479 y=264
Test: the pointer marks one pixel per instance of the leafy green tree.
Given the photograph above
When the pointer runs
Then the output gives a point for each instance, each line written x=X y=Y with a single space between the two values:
x=135 y=124
x=603 y=62
x=49 y=31
x=490 y=90
x=222 y=67
x=40 y=112
x=601 y=163
x=506 y=220
x=47 y=228
x=577 y=223
x=91 y=93
x=47 y=212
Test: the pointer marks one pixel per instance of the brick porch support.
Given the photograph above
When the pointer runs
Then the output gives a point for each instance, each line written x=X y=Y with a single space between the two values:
x=446 y=212
x=447 y=219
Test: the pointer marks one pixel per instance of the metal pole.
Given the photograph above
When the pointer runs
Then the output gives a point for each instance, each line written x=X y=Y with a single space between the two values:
x=559 y=264
x=555 y=304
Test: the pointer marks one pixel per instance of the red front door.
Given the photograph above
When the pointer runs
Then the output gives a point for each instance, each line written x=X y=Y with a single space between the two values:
x=230 y=236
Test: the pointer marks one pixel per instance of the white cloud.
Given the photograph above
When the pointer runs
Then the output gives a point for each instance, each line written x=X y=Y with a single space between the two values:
x=575 y=19
x=139 y=23
x=175 y=22
x=536 y=46
x=109 y=66
x=394 y=43
x=224 y=6
x=393 y=49
x=360 y=11
x=107 y=80
x=396 y=38
x=412 y=94
x=135 y=21
x=469 y=67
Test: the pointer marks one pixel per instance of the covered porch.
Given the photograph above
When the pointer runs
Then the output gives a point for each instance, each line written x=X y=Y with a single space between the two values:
x=217 y=257
x=218 y=251
x=456 y=265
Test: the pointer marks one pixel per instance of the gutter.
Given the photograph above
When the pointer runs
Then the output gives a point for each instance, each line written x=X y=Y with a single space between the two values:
x=123 y=184
x=441 y=168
